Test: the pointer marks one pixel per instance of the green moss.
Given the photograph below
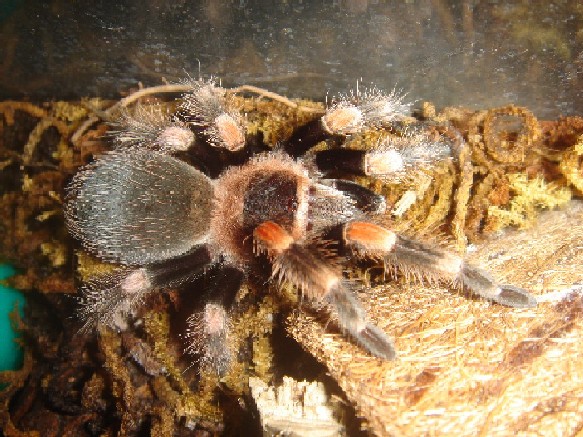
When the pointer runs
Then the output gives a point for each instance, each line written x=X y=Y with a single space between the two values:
x=530 y=196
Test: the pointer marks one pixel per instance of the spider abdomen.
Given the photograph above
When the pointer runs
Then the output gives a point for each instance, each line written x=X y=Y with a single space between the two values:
x=139 y=207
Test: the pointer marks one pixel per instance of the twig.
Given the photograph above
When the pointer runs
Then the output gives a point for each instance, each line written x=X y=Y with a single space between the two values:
x=159 y=89
x=274 y=96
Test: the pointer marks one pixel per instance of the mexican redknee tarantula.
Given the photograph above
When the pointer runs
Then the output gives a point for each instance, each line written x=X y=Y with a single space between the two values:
x=143 y=206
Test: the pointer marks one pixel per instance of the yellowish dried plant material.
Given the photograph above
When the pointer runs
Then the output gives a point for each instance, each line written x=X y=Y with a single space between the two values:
x=528 y=198
x=571 y=165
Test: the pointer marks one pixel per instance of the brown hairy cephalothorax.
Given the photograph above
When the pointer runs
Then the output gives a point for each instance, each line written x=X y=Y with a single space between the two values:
x=166 y=218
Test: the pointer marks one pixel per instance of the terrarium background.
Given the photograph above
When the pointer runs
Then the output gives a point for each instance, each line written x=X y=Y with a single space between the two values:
x=479 y=53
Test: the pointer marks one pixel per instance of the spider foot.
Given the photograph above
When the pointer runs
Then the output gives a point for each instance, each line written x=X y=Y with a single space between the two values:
x=208 y=334
x=109 y=300
x=481 y=282
x=352 y=319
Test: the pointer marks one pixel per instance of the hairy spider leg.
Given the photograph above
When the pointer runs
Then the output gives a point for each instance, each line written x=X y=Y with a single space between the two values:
x=349 y=115
x=413 y=257
x=321 y=281
x=209 y=329
x=364 y=199
x=151 y=127
x=112 y=298
x=390 y=159
x=206 y=106
x=338 y=122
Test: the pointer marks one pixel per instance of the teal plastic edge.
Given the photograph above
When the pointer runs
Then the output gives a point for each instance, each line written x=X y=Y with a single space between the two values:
x=11 y=354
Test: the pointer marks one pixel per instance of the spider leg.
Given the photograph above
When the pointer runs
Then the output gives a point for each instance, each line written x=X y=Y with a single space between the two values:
x=151 y=127
x=209 y=328
x=180 y=270
x=360 y=162
x=306 y=137
x=208 y=107
x=321 y=281
x=364 y=199
x=391 y=158
x=367 y=108
x=110 y=299
x=370 y=240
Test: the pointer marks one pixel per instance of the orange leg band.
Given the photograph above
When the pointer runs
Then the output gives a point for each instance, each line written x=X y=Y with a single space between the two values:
x=272 y=237
x=369 y=237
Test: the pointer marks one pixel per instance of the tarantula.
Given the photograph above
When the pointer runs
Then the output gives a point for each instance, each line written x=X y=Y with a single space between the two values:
x=165 y=220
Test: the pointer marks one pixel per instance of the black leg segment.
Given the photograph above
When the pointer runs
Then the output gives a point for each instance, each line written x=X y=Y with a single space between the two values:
x=364 y=199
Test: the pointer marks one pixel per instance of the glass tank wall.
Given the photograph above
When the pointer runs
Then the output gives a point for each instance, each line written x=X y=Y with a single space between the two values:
x=467 y=52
